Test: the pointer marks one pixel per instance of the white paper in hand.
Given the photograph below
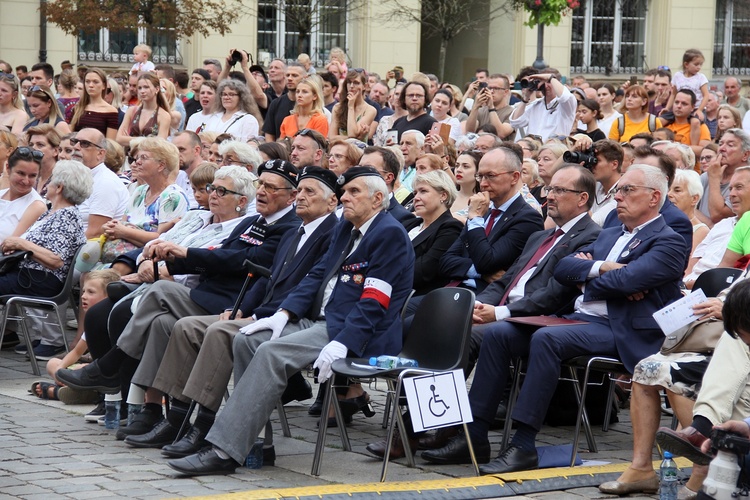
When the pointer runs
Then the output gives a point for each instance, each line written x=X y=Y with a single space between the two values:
x=679 y=313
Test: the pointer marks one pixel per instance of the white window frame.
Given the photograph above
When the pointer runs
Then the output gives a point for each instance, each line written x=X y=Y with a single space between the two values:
x=726 y=63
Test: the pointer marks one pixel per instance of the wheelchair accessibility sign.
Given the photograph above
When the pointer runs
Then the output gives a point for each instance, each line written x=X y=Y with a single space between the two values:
x=438 y=400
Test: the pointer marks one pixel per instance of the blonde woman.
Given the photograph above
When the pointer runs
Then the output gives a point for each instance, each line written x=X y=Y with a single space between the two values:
x=12 y=114
x=170 y=93
x=8 y=144
x=307 y=112
x=44 y=110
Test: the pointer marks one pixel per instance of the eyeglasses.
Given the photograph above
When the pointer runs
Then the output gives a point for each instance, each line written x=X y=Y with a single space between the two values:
x=557 y=191
x=8 y=76
x=269 y=189
x=629 y=189
x=491 y=177
x=706 y=159
x=84 y=143
x=30 y=154
x=220 y=191
x=223 y=95
x=315 y=136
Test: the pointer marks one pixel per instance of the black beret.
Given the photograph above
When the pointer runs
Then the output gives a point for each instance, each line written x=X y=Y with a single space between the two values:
x=323 y=175
x=354 y=172
x=282 y=168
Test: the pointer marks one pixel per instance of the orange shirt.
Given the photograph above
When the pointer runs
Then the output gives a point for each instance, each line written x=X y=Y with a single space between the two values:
x=682 y=133
x=631 y=128
x=317 y=122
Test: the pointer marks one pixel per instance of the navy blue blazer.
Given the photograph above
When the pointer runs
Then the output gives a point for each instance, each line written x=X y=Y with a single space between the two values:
x=221 y=270
x=496 y=252
x=543 y=294
x=673 y=216
x=401 y=214
x=364 y=311
x=284 y=280
x=654 y=259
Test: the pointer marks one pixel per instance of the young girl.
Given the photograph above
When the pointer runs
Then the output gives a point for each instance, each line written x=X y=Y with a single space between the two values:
x=691 y=78
x=589 y=114
x=727 y=117
x=94 y=290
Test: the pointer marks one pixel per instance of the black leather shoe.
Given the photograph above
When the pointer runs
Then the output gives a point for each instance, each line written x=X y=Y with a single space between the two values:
x=297 y=389
x=511 y=459
x=204 y=463
x=438 y=439
x=317 y=407
x=161 y=435
x=142 y=423
x=192 y=442
x=457 y=452
x=269 y=455
x=378 y=448
x=89 y=377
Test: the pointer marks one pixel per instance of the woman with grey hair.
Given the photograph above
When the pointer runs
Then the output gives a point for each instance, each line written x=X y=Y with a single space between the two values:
x=434 y=193
x=241 y=154
x=236 y=112
x=685 y=193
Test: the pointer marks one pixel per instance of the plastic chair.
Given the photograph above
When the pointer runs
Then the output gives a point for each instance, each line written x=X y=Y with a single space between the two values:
x=438 y=339
x=715 y=280
x=58 y=304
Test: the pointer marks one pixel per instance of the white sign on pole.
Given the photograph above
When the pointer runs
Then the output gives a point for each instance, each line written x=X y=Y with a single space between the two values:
x=437 y=400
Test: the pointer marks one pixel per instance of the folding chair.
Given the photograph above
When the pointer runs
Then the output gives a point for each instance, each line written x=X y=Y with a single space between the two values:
x=715 y=280
x=58 y=304
x=438 y=339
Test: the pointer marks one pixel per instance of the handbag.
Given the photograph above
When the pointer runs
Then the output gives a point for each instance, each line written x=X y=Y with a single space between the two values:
x=699 y=337
x=114 y=247
x=11 y=261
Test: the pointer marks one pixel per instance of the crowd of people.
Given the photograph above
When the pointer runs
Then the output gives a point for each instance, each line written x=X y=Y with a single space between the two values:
x=595 y=202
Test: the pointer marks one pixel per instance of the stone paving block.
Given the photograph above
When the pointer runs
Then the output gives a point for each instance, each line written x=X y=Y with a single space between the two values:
x=25 y=489
x=75 y=488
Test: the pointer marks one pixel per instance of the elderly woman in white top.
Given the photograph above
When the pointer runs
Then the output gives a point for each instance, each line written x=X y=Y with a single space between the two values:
x=236 y=112
x=685 y=193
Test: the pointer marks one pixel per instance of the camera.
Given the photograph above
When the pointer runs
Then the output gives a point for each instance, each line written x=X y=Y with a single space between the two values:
x=586 y=158
x=724 y=470
x=532 y=84
x=237 y=56
x=482 y=85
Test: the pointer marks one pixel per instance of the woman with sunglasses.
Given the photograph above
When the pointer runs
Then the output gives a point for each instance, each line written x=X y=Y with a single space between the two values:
x=45 y=139
x=151 y=118
x=12 y=113
x=92 y=111
x=20 y=204
x=8 y=144
x=68 y=95
x=44 y=110
x=235 y=112
x=352 y=116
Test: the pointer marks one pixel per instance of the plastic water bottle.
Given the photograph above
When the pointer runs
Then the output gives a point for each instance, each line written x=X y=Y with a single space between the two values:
x=668 y=475
x=133 y=410
x=390 y=362
x=135 y=401
x=112 y=410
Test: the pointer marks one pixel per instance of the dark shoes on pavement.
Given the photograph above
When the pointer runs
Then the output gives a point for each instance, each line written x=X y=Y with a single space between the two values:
x=397 y=447
x=511 y=459
x=204 y=463
x=438 y=439
x=684 y=443
x=161 y=435
x=142 y=423
x=89 y=377
x=192 y=442
x=456 y=451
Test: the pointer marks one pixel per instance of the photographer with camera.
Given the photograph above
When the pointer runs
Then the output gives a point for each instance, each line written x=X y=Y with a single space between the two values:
x=604 y=159
x=492 y=106
x=551 y=115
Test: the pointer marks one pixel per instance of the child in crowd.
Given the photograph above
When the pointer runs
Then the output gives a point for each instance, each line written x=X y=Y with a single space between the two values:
x=728 y=117
x=94 y=290
x=141 y=53
x=589 y=114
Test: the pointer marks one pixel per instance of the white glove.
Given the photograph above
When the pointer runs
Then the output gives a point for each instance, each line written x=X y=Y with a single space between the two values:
x=275 y=323
x=330 y=353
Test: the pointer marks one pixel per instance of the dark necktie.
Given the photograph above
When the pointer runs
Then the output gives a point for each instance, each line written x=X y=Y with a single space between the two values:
x=287 y=260
x=318 y=303
x=534 y=260
x=494 y=214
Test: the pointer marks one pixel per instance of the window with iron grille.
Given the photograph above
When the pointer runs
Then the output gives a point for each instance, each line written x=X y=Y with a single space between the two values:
x=117 y=46
x=608 y=36
x=287 y=28
x=732 y=38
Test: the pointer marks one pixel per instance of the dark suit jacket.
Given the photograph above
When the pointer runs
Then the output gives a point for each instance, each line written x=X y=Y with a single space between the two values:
x=401 y=214
x=496 y=252
x=284 y=279
x=543 y=294
x=654 y=265
x=429 y=246
x=673 y=216
x=221 y=270
x=364 y=310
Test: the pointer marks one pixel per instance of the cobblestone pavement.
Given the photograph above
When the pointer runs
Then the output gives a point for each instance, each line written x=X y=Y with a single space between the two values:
x=48 y=451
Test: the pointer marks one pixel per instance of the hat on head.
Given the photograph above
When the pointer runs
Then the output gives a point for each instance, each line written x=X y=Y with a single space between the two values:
x=323 y=175
x=259 y=69
x=352 y=173
x=282 y=168
x=66 y=63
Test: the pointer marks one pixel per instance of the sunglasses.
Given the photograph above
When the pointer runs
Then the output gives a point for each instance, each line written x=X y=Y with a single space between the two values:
x=306 y=132
x=220 y=190
x=85 y=144
x=29 y=154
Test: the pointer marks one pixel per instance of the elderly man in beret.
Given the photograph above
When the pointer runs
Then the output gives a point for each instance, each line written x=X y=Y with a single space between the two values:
x=354 y=296
x=221 y=273
x=197 y=363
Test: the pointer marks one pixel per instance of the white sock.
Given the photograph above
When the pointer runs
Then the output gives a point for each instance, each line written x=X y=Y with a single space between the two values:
x=221 y=453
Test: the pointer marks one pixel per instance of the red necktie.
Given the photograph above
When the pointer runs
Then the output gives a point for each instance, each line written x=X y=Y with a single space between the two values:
x=534 y=260
x=494 y=214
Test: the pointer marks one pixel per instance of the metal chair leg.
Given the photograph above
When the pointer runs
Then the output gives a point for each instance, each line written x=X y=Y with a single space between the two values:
x=581 y=416
x=514 y=390
x=185 y=422
x=322 y=429
x=282 y=419
x=610 y=399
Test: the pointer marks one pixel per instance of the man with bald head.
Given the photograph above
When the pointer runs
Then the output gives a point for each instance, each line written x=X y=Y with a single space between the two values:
x=109 y=198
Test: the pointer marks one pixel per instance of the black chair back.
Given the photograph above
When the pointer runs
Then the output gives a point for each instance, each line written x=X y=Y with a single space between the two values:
x=715 y=280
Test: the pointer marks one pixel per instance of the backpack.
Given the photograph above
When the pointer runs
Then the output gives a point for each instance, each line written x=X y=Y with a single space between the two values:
x=621 y=124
